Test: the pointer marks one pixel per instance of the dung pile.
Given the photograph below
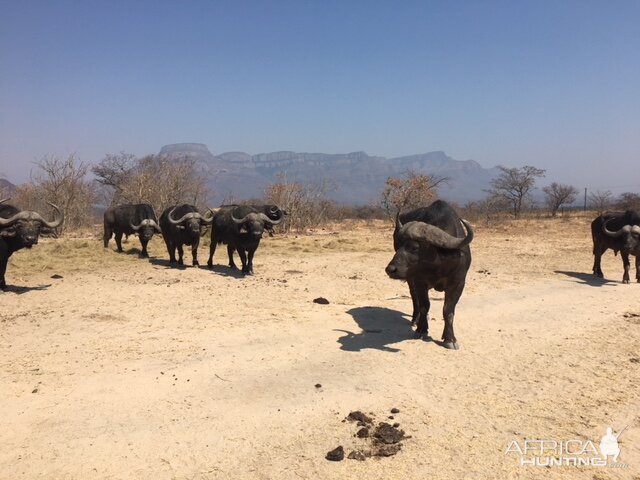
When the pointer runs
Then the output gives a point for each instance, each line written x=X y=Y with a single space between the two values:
x=381 y=440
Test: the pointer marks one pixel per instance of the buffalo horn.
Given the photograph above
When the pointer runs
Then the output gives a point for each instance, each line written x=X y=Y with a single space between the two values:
x=240 y=221
x=29 y=215
x=437 y=236
x=268 y=220
x=207 y=218
x=146 y=222
x=186 y=216
x=617 y=233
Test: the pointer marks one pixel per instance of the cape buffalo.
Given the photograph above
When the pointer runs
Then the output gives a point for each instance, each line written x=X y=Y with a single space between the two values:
x=129 y=219
x=240 y=228
x=619 y=231
x=21 y=229
x=274 y=212
x=183 y=225
x=432 y=251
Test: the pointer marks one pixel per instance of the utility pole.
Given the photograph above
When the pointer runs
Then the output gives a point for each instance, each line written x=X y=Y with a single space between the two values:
x=585 y=199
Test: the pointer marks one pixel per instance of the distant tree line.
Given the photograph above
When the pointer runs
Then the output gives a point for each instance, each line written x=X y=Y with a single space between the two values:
x=160 y=181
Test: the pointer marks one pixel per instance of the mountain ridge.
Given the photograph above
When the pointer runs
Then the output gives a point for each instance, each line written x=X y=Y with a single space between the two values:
x=358 y=177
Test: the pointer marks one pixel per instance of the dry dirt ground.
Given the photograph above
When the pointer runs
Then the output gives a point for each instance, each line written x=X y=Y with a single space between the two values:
x=126 y=368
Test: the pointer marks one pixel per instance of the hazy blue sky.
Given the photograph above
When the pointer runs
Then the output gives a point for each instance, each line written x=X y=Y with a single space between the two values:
x=555 y=84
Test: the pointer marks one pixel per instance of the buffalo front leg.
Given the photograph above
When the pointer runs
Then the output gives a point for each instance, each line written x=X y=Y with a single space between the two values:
x=243 y=258
x=422 y=295
x=180 y=254
x=626 y=264
x=194 y=255
x=144 y=253
x=171 y=249
x=230 y=250
x=250 y=261
x=451 y=298
x=4 y=258
x=414 y=301
x=638 y=268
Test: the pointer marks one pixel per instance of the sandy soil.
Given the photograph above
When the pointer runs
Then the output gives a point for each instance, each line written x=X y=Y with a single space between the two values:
x=125 y=368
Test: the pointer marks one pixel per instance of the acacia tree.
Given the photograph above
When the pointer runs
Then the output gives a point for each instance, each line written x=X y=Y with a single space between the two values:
x=413 y=191
x=515 y=185
x=558 y=194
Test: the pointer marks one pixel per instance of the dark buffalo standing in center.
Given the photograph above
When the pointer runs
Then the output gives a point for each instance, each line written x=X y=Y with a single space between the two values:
x=240 y=228
x=21 y=229
x=274 y=212
x=183 y=225
x=432 y=251
x=619 y=231
x=129 y=219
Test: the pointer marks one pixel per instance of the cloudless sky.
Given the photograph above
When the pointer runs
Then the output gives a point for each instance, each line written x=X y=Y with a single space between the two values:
x=554 y=84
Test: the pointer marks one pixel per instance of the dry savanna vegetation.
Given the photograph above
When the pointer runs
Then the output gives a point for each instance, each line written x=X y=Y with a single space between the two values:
x=117 y=367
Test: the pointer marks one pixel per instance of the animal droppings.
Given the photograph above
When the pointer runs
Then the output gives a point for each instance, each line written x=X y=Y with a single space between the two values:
x=358 y=416
x=336 y=455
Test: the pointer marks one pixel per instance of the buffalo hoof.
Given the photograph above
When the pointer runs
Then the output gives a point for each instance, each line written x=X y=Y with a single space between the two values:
x=450 y=345
x=196 y=264
x=420 y=335
x=625 y=280
x=210 y=264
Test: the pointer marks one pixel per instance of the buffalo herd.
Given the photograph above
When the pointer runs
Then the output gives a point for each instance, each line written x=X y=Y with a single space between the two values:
x=431 y=243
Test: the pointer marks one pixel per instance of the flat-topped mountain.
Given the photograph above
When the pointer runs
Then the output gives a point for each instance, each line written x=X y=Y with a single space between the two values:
x=6 y=187
x=359 y=178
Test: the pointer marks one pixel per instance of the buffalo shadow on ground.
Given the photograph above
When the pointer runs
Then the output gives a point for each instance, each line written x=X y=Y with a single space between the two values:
x=587 y=278
x=19 y=290
x=227 y=271
x=380 y=327
x=161 y=262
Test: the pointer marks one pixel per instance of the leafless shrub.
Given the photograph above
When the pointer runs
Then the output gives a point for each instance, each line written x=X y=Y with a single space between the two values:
x=154 y=179
x=413 y=191
x=306 y=203
x=62 y=182
x=600 y=201
x=628 y=201
x=489 y=210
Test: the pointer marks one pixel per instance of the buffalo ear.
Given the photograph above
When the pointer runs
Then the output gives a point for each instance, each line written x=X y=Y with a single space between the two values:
x=8 y=232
